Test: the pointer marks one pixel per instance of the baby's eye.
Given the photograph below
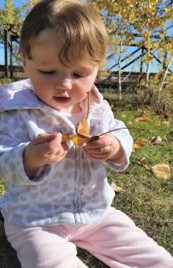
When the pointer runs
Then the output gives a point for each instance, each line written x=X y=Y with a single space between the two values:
x=78 y=75
x=46 y=72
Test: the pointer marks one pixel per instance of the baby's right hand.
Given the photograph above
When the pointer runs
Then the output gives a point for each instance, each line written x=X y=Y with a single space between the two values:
x=43 y=150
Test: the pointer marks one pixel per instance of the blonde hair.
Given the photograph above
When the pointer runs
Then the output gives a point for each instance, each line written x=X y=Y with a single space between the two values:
x=75 y=23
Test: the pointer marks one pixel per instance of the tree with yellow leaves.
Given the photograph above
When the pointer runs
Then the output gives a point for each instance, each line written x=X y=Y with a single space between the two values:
x=144 y=23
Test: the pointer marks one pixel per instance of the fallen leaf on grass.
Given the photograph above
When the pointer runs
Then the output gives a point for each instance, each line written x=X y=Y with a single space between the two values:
x=143 y=163
x=137 y=146
x=156 y=140
x=117 y=188
x=161 y=171
x=143 y=119
x=139 y=143
x=157 y=124
x=167 y=123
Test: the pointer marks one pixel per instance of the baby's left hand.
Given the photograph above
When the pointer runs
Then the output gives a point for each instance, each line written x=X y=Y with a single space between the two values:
x=106 y=147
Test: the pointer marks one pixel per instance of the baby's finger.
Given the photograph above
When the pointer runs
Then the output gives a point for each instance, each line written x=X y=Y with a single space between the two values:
x=42 y=138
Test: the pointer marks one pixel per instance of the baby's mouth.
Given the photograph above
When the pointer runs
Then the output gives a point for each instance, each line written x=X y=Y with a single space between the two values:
x=62 y=99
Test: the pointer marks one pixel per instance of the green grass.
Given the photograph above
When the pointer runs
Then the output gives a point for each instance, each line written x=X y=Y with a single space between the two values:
x=147 y=199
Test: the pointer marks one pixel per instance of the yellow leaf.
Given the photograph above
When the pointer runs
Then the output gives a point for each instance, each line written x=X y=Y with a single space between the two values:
x=137 y=146
x=83 y=127
x=161 y=171
x=157 y=124
x=74 y=138
x=82 y=130
x=116 y=188
x=139 y=143
x=146 y=119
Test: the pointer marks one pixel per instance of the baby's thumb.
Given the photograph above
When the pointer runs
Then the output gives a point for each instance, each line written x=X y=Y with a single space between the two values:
x=43 y=138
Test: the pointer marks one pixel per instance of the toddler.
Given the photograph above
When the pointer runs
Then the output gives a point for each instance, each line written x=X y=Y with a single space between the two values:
x=58 y=197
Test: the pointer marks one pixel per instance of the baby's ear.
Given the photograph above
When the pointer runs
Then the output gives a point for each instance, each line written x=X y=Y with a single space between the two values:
x=23 y=58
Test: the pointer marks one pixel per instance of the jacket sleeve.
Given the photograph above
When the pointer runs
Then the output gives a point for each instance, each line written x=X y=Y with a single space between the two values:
x=123 y=136
x=12 y=146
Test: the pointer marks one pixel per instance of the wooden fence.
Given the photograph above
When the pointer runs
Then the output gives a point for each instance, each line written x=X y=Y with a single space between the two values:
x=110 y=79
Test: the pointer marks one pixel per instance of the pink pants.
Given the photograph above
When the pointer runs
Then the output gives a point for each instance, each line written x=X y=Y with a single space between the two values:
x=115 y=240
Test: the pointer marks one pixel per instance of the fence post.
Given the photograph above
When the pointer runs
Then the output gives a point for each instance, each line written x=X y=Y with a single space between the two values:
x=6 y=53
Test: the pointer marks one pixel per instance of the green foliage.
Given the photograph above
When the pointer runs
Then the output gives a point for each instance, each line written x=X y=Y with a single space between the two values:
x=8 y=12
x=145 y=24
x=5 y=81
x=10 y=18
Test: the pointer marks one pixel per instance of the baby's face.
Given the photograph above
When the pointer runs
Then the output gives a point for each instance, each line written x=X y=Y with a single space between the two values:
x=57 y=85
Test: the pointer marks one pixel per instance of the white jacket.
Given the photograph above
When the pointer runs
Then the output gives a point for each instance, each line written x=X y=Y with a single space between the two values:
x=74 y=190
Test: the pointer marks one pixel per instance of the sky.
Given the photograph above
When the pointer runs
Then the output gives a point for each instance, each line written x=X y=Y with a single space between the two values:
x=135 y=67
x=16 y=3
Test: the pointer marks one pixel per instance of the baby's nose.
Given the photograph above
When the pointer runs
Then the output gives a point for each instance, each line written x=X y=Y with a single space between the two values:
x=64 y=82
